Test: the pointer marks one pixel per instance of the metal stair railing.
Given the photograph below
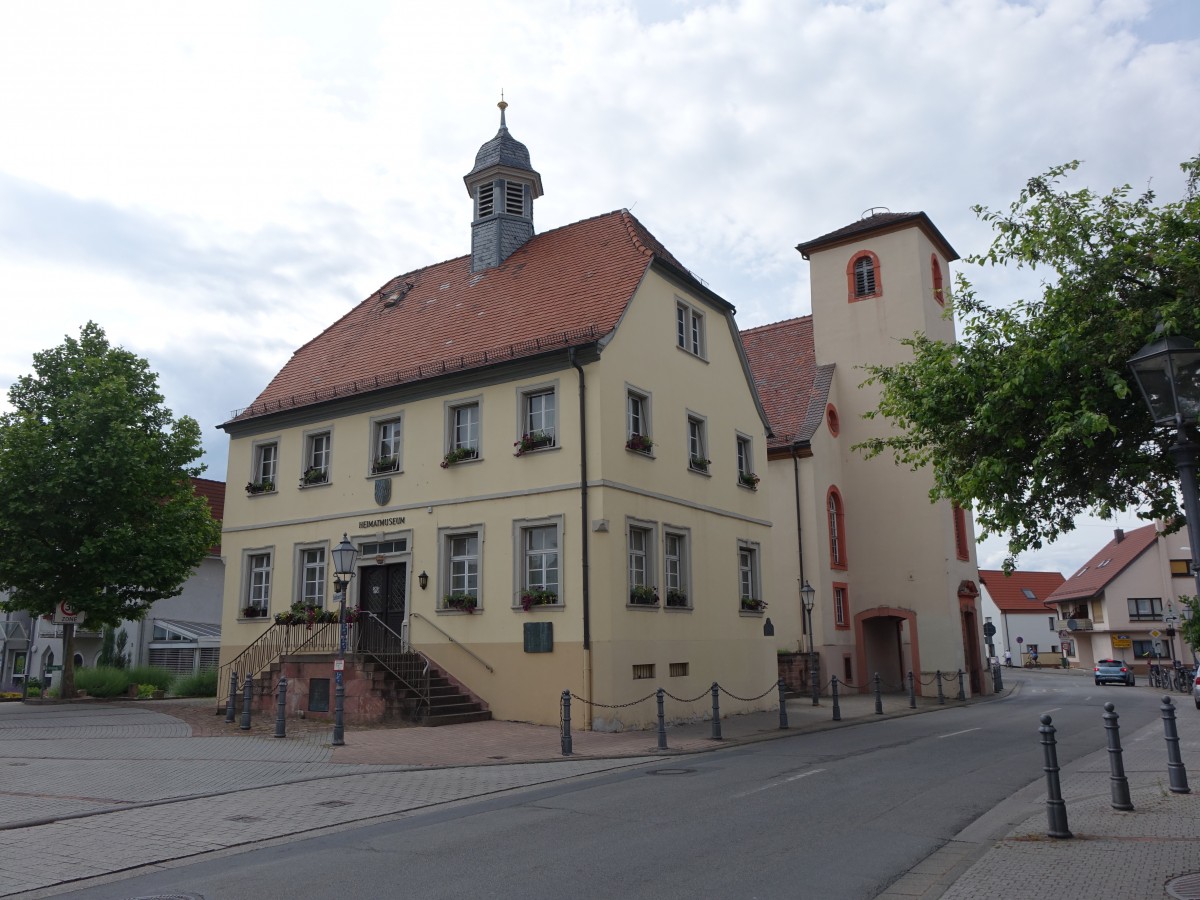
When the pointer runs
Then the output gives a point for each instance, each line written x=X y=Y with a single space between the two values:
x=379 y=642
x=277 y=641
x=467 y=650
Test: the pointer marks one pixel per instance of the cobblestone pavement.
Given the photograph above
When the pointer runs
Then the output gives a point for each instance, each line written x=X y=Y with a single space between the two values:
x=119 y=786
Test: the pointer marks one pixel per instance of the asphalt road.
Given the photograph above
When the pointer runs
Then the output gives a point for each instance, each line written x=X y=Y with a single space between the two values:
x=835 y=814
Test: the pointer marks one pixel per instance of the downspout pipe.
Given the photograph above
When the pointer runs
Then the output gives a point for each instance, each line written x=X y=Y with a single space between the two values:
x=804 y=623
x=584 y=532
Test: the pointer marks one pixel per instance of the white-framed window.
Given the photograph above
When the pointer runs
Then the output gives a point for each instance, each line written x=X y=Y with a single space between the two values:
x=539 y=571
x=514 y=198
x=841 y=606
x=676 y=568
x=539 y=419
x=689 y=328
x=462 y=430
x=462 y=563
x=640 y=555
x=697 y=443
x=749 y=578
x=485 y=202
x=264 y=476
x=256 y=590
x=637 y=420
x=387 y=441
x=311 y=571
x=745 y=463
x=318 y=449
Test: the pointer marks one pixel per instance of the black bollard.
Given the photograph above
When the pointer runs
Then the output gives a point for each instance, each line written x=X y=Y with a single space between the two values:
x=997 y=678
x=662 y=721
x=716 y=712
x=1056 y=809
x=1120 y=784
x=566 y=723
x=1177 y=774
x=878 y=697
x=783 y=722
x=281 y=709
x=962 y=690
x=912 y=691
x=247 y=699
x=232 y=701
x=837 y=707
x=941 y=693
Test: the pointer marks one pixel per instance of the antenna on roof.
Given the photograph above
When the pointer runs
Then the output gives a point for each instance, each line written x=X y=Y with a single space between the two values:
x=873 y=211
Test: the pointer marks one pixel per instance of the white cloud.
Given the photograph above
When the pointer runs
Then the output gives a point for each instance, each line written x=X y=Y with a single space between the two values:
x=215 y=184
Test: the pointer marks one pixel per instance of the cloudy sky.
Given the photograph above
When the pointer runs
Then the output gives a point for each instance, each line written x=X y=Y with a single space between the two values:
x=215 y=183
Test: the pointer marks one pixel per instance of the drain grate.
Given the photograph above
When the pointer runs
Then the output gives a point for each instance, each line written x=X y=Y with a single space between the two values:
x=170 y=897
x=670 y=771
x=1185 y=887
x=238 y=819
x=334 y=803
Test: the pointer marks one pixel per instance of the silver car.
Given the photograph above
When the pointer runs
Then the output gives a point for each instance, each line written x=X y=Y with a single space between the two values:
x=1108 y=670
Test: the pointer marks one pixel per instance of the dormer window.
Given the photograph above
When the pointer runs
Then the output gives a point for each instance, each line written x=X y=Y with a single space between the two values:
x=485 y=204
x=514 y=198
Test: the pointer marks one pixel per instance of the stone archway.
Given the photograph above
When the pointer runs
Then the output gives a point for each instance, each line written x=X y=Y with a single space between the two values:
x=968 y=597
x=886 y=641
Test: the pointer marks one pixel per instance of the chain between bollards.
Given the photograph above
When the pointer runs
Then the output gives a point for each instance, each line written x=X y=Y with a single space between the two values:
x=941 y=693
x=247 y=699
x=837 y=707
x=662 y=720
x=878 y=697
x=1176 y=773
x=716 y=711
x=232 y=702
x=783 y=720
x=962 y=690
x=1116 y=767
x=566 y=723
x=281 y=710
x=1056 y=809
x=912 y=691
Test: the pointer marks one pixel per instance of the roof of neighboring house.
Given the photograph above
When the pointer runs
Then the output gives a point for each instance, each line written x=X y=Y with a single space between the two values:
x=1008 y=592
x=562 y=288
x=214 y=493
x=792 y=387
x=879 y=222
x=1096 y=574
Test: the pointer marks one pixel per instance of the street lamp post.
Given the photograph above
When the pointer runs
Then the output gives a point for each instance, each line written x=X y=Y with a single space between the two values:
x=808 y=595
x=1168 y=374
x=344 y=556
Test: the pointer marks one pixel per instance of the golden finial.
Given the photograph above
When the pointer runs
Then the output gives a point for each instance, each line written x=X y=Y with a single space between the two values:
x=503 y=106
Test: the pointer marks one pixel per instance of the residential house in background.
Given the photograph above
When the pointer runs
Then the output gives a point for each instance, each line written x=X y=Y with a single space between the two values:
x=1124 y=601
x=895 y=591
x=1016 y=604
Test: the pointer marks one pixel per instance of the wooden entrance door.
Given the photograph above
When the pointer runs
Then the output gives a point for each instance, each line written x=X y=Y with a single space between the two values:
x=381 y=591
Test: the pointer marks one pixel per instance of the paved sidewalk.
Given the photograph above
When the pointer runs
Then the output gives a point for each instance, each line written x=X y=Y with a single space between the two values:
x=120 y=786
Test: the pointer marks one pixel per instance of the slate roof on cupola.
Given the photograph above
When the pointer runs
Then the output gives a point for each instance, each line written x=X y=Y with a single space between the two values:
x=792 y=387
x=503 y=150
x=880 y=222
x=566 y=287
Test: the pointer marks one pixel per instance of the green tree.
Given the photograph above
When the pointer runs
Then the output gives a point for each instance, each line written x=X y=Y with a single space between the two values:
x=1033 y=415
x=96 y=507
x=1189 y=628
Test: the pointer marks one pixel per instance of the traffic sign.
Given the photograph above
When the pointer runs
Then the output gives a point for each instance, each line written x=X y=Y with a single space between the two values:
x=65 y=615
x=1020 y=640
x=1155 y=633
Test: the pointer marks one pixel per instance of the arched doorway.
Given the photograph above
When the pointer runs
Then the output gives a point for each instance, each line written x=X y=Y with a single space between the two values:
x=885 y=640
x=968 y=595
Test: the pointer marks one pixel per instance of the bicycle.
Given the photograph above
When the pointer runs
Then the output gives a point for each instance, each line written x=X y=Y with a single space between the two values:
x=1182 y=680
x=1155 y=676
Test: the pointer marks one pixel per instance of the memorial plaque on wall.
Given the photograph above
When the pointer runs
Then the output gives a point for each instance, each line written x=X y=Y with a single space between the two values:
x=539 y=637
x=318 y=695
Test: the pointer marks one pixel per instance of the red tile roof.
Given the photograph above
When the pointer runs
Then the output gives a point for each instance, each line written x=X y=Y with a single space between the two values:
x=562 y=288
x=214 y=493
x=1008 y=591
x=1096 y=574
x=791 y=386
x=882 y=222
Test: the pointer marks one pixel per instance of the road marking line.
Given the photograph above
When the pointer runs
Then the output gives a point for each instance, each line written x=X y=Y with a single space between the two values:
x=1056 y=709
x=778 y=784
x=953 y=733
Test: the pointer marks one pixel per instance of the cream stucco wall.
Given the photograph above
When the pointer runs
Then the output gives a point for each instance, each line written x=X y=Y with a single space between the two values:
x=713 y=640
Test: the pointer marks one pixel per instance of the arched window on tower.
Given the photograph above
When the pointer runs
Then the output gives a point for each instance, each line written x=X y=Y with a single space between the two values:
x=864 y=277
x=837 y=529
x=935 y=268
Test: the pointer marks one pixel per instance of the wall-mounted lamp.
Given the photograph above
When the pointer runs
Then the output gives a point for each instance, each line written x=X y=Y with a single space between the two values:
x=423 y=580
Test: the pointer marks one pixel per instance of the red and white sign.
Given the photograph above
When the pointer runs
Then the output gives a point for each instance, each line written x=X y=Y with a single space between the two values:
x=64 y=615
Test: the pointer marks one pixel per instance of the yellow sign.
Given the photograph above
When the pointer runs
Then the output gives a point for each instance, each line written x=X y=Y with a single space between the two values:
x=1122 y=643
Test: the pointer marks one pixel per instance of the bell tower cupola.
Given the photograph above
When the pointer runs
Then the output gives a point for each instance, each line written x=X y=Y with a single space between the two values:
x=503 y=186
